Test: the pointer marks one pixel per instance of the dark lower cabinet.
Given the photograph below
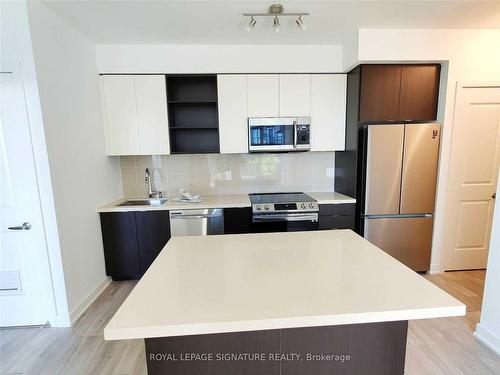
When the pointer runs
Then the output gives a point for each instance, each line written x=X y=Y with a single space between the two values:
x=336 y=216
x=237 y=220
x=350 y=349
x=331 y=216
x=132 y=241
x=153 y=232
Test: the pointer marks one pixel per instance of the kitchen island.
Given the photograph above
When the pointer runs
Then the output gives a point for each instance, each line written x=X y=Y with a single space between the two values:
x=322 y=302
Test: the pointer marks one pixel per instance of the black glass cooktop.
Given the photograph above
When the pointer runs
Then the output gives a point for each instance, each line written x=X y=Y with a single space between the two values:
x=280 y=198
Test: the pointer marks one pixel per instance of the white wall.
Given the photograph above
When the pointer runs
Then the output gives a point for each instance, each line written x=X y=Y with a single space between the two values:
x=350 y=51
x=16 y=47
x=471 y=55
x=158 y=58
x=488 y=330
x=83 y=178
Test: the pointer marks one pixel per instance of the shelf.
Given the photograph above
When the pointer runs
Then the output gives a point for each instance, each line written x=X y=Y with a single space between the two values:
x=191 y=152
x=192 y=102
x=194 y=141
x=186 y=89
x=194 y=128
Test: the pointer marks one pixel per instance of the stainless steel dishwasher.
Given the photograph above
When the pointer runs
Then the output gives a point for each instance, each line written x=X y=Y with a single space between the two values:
x=196 y=222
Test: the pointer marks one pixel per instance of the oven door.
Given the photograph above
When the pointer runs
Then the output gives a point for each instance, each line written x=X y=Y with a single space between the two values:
x=271 y=134
x=286 y=222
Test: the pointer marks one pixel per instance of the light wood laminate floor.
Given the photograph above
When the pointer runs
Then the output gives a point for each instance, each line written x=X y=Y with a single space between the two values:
x=437 y=346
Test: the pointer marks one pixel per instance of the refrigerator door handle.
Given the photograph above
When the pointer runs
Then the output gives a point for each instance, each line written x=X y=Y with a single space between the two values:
x=396 y=216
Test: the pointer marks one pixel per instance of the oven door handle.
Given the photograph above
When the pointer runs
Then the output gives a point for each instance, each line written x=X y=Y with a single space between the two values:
x=302 y=217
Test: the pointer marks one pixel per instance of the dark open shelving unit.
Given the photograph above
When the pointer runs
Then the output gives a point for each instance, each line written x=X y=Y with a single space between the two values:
x=193 y=114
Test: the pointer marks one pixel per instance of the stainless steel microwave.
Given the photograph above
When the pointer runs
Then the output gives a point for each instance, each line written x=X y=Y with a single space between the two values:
x=275 y=134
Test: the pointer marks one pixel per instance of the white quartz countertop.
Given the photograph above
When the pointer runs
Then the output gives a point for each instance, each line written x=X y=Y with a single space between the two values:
x=219 y=201
x=331 y=197
x=246 y=282
x=208 y=201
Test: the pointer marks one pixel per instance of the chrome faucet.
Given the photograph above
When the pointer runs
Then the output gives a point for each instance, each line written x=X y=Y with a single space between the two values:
x=148 y=181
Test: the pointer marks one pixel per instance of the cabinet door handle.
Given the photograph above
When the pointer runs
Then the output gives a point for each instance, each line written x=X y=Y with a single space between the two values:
x=24 y=226
x=494 y=195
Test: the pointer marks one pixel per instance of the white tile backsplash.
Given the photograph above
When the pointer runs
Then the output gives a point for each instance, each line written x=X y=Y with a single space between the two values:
x=214 y=174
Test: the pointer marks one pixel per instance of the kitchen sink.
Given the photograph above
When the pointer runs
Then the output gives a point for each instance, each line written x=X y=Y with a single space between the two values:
x=144 y=202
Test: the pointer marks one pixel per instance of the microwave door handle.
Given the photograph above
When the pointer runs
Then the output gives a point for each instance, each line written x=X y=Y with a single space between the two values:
x=295 y=134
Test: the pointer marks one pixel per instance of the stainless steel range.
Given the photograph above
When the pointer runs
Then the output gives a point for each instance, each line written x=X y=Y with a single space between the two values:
x=284 y=212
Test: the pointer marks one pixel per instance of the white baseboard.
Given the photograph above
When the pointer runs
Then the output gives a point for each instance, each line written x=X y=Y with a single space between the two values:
x=436 y=268
x=488 y=338
x=85 y=304
x=60 y=321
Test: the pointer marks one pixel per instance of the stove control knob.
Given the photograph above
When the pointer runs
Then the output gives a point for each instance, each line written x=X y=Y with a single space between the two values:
x=311 y=205
x=266 y=207
x=258 y=208
x=302 y=205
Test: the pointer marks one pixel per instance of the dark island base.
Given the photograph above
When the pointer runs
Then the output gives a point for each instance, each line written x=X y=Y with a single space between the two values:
x=374 y=348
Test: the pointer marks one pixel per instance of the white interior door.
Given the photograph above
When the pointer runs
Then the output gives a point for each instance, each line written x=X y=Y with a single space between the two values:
x=473 y=174
x=26 y=296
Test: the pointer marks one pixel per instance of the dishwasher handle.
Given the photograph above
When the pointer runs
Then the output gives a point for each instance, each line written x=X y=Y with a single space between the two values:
x=215 y=213
x=174 y=216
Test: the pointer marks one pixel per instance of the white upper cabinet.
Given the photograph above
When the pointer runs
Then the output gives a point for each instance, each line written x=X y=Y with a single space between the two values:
x=152 y=114
x=279 y=95
x=295 y=94
x=233 y=113
x=328 y=112
x=135 y=114
x=263 y=95
x=120 y=114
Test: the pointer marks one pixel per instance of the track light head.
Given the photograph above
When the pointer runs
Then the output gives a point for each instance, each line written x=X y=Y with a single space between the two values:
x=251 y=24
x=300 y=24
x=276 y=24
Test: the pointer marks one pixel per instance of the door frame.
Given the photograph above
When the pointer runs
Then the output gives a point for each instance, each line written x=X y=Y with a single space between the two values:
x=59 y=305
x=460 y=85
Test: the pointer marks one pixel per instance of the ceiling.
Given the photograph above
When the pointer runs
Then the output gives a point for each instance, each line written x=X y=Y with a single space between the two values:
x=220 y=22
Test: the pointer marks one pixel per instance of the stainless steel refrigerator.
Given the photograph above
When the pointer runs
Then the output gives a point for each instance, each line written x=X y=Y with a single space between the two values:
x=400 y=186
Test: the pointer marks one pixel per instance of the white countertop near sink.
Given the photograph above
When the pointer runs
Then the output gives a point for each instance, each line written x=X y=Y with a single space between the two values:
x=208 y=201
x=219 y=201
x=115 y=206
x=247 y=282
x=212 y=201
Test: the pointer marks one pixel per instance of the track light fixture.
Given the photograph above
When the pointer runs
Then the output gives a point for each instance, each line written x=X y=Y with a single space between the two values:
x=276 y=11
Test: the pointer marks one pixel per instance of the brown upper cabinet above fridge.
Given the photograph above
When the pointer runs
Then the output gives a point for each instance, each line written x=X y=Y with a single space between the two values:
x=394 y=93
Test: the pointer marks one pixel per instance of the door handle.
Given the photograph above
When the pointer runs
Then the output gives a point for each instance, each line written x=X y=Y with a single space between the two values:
x=24 y=226
x=494 y=195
